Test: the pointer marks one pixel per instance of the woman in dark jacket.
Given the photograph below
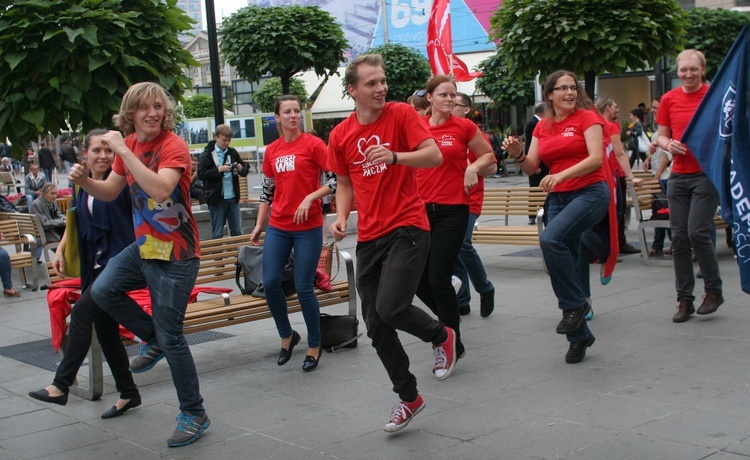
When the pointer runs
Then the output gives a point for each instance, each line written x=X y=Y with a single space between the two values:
x=104 y=229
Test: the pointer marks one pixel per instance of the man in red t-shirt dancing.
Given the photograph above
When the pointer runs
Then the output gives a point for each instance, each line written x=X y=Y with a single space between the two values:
x=374 y=153
x=692 y=197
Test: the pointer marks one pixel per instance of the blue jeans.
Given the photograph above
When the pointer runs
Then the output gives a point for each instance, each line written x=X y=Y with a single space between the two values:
x=276 y=248
x=570 y=215
x=469 y=266
x=225 y=211
x=170 y=285
x=5 y=269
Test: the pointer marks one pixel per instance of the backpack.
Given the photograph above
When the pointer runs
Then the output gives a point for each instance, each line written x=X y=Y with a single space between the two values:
x=250 y=261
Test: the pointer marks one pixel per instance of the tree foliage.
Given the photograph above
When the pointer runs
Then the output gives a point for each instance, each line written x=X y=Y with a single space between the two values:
x=587 y=37
x=713 y=31
x=70 y=62
x=499 y=85
x=406 y=69
x=282 y=41
x=265 y=97
x=198 y=106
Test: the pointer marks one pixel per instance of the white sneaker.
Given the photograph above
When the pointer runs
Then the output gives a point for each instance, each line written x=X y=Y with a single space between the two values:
x=456 y=282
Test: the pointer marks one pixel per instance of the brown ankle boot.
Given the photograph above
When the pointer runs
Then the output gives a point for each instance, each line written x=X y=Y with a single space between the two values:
x=684 y=310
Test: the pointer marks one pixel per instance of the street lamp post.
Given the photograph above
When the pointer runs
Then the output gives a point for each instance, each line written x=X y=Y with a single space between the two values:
x=213 y=56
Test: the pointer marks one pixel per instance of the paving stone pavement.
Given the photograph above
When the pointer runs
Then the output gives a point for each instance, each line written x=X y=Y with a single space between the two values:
x=648 y=388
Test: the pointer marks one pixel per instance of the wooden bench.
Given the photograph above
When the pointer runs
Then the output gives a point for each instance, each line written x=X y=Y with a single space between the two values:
x=642 y=198
x=20 y=259
x=31 y=224
x=218 y=262
x=506 y=202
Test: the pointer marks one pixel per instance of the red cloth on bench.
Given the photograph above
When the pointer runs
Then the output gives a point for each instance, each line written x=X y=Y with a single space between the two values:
x=63 y=294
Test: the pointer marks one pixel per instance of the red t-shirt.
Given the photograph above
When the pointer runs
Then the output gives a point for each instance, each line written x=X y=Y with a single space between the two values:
x=445 y=184
x=163 y=231
x=387 y=195
x=476 y=196
x=296 y=167
x=612 y=128
x=676 y=109
x=563 y=145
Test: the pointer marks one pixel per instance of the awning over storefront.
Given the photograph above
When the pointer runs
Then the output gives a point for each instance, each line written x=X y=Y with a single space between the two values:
x=332 y=103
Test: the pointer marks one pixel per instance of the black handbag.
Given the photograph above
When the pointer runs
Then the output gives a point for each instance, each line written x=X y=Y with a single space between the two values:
x=338 y=331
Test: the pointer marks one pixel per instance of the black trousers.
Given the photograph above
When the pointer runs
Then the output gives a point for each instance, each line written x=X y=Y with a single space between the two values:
x=85 y=313
x=388 y=271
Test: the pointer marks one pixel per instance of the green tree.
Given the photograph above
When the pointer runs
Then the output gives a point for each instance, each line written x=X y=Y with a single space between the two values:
x=407 y=70
x=265 y=97
x=198 y=106
x=69 y=63
x=713 y=32
x=587 y=37
x=499 y=85
x=282 y=41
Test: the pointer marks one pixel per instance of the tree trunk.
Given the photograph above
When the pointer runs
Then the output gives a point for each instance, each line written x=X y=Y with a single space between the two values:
x=590 y=80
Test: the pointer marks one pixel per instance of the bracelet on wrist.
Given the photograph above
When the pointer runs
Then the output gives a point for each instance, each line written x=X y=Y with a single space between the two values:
x=524 y=158
x=395 y=158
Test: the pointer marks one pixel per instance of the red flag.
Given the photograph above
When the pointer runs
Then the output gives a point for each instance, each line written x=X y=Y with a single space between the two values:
x=440 y=44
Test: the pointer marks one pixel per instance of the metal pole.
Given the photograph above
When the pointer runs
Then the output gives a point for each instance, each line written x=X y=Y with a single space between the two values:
x=384 y=17
x=213 y=56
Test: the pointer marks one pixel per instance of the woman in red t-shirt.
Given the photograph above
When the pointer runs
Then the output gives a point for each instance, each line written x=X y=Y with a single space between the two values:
x=445 y=191
x=570 y=141
x=292 y=166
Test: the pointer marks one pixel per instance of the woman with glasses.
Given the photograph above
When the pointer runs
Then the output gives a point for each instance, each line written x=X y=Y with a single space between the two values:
x=569 y=140
x=445 y=191
x=419 y=101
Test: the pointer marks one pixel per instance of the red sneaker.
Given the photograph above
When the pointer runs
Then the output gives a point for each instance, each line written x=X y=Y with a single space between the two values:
x=445 y=356
x=402 y=413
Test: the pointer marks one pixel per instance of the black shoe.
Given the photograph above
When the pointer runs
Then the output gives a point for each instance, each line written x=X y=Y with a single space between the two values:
x=135 y=401
x=286 y=355
x=487 y=303
x=627 y=248
x=532 y=220
x=577 y=350
x=711 y=303
x=464 y=310
x=572 y=319
x=43 y=395
x=311 y=363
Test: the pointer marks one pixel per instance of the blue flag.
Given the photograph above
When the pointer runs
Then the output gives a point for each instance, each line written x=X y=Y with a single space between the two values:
x=719 y=137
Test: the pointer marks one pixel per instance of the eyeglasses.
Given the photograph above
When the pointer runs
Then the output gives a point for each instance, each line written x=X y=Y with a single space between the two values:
x=565 y=88
x=419 y=92
x=461 y=105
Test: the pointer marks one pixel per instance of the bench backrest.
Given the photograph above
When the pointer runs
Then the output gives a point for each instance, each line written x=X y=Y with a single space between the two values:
x=218 y=259
x=27 y=223
x=513 y=201
x=643 y=196
x=10 y=232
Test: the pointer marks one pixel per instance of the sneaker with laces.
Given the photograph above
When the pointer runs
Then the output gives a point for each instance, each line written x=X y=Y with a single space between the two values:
x=711 y=303
x=150 y=355
x=189 y=428
x=445 y=356
x=402 y=413
x=572 y=319
x=577 y=350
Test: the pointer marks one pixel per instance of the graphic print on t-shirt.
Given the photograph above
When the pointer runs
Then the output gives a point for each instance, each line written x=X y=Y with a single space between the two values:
x=368 y=168
x=570 y=131
x=446 y=140
x=285 y=163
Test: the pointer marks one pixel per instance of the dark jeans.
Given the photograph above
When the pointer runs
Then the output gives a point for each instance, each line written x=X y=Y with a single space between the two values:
x=388 y=271
x=170 y=284
x=84 y=313
x=225 y=211
x=469 y=266
x=5 y=269
x=276 y=248
x=447 y=230
x=571 y=214
x=622 y=192
x=692 y=205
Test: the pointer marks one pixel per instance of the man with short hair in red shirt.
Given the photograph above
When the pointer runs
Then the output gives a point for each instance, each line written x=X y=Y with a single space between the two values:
x=374 y=153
